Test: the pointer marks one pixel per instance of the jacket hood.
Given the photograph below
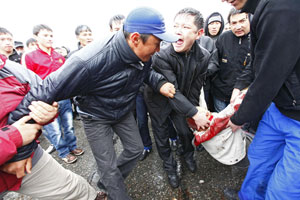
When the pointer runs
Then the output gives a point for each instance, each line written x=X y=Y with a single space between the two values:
x=215 y=16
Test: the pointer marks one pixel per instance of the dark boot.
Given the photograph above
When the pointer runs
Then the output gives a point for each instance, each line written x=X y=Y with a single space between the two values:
x=173 y=180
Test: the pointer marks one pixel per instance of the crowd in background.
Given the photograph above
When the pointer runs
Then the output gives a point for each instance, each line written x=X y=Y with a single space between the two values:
x=142 y=73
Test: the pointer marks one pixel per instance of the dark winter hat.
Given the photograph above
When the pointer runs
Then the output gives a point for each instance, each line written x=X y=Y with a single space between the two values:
x=216 y=18
x=146 y=20
x=18 y=44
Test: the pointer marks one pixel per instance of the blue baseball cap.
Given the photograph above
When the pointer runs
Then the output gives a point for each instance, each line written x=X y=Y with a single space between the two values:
x=146 y=20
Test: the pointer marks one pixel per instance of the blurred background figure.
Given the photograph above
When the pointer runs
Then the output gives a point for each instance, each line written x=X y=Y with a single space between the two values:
x=116 y=22
x=19 y=47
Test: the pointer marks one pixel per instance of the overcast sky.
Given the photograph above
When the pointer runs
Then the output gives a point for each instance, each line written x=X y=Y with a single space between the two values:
x=63 y=16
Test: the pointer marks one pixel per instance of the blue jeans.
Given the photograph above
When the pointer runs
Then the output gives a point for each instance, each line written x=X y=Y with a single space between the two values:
x=274 y=157
x=142 y=119
x=61 y=131
x=219 y=105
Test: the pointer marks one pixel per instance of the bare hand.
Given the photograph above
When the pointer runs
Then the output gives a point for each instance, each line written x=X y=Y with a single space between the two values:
x=19 y=168
x=42 y=112
x=236 y=92
x=201 y=120
x=27 y=131
x=168 y=90
x=233 y=127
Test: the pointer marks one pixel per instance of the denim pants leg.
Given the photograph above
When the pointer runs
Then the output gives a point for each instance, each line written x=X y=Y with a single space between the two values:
x=61 y=140
x=219 y=105
x=142 y=120
x=66 y=116
x=274 y=157
x=112 y=169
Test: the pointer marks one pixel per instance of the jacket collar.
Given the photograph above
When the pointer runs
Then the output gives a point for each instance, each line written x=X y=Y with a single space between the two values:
x=195 y=48
x=250 y=6
x=39 y=49
x=125 y=52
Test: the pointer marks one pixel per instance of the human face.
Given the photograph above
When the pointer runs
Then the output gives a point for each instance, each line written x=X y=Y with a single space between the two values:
x=32 y=46
x=144 y=50
x=45 y=39
x=240 y=24
x=238 y=4
x=187 y=32
x=116 y=25
x=85 y=37
x=214 y=28
x=6 y=44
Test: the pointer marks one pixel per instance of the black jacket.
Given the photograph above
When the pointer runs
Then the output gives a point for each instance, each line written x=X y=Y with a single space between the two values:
x=275 y=41
x=107 y=76
x=15 y=57
x=188 y=83
x=207 y=43
x=231 y=57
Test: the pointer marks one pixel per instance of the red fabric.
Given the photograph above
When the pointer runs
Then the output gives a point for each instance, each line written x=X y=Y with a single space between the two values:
x=10 y=140
x=11 y=93
x=218 y=123
x=42 y=63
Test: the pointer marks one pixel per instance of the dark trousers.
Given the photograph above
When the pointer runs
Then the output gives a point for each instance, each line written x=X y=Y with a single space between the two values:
x=161 y=135
x=142 y=120
x=172 y=131
x=112 y=169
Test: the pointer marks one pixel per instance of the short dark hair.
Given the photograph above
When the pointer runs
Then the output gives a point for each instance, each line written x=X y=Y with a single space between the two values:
x=66 y=48
x=39 y=27
x=114 y=18
x=4 y=31
x=143 y=36
x=30 y=40
x=199 y=21
x=81 y=28
x=232 y=12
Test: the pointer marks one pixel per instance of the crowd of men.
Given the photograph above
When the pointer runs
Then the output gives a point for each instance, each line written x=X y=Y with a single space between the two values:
x=142 y=69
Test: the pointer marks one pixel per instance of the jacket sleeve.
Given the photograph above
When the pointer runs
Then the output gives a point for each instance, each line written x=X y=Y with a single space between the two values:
x=179 y=103
x=155 y=80
x=69 y=80
x=276 y=53
x=213 y=64
x=10 y=140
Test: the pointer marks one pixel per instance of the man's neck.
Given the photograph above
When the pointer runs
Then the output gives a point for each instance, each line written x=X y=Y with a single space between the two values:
x=7 y=54
x=45 y=49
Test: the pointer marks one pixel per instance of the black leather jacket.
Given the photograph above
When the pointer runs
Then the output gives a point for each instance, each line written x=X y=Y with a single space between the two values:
x=187 y=82
x=105 y=76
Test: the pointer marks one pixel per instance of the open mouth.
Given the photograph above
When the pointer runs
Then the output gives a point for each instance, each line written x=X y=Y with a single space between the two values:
x=179 y=42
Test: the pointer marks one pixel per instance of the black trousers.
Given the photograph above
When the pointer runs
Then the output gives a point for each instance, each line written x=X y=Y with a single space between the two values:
x=161 y=136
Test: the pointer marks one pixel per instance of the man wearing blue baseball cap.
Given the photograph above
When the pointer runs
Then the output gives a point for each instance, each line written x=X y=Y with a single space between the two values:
x=105 y=77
